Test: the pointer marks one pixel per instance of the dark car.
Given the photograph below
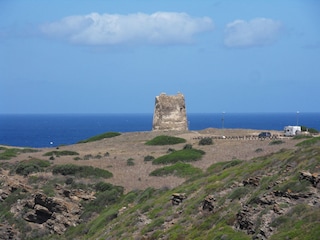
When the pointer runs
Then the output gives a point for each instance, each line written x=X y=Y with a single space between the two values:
x=264 y=135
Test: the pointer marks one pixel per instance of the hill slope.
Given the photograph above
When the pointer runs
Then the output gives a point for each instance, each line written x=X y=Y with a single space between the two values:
x=239 y=189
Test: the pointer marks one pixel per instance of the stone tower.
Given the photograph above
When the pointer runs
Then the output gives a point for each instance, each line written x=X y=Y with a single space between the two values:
x=170 y=113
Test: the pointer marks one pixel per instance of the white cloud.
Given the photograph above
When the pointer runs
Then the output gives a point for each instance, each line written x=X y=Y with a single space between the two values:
x=257 y=32
x=156 y=28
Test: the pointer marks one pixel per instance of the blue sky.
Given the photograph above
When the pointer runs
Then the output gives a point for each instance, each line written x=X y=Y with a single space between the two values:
x=109 y=56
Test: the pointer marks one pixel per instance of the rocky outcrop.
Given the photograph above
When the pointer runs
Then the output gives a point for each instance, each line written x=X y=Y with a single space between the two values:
x=56 y=214
x=177 y=198
x=208 y=203
x=170 y=113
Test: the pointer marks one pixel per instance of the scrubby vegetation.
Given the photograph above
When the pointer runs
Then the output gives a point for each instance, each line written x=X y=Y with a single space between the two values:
x=60 y=153
x=184 y=155
x=153 y=216
x=206 y=141
x=263 y=198
x=81 y=171
x=31 y=166
x=8 y=153
x=100 y=137
x=179 y=169
x=165 y=140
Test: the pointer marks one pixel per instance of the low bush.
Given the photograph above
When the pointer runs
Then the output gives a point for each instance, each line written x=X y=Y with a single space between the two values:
x=148 y=158
x=165 y=140
x=206 y=141
x=31 y=166
x=100 y=136
x=81 y=171
x=179 y=169
x=184 y=155
x=60 y=153
x=130 y=162
x=276 y=142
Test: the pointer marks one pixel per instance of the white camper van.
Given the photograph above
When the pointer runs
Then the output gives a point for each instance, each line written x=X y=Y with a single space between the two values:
x=292 y=130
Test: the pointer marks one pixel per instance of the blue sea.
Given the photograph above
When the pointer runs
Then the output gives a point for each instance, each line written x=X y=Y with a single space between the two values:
x=50 y=130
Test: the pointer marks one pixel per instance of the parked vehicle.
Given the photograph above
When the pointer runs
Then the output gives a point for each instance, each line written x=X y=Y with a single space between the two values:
x=264 y=135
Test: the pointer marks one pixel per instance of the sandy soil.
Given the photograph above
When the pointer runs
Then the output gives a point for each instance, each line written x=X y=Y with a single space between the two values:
x=132 y=145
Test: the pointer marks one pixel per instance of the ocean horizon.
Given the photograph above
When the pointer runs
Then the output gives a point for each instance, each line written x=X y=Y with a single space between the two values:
x=51 y=130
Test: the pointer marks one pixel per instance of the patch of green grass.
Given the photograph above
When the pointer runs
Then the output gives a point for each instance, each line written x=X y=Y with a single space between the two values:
x=238 y=193
x=179 y=169
x=100 y=137
x=81 y=171
x=165 y=140
x=302 y=222
x=218 y=167
x=309 y=142
x=8 y=153
x=184 y=155
x=60 y=153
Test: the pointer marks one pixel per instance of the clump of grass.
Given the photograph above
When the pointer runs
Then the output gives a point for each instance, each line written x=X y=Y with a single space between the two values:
x=81 y=171
x=184 y=155
x=165 y=140
x=148 y=158
x=60 y=153
x=276 y=142
x=130 y=162
x=309 y=142
x=206 y=141
x=100 y=136
x=179 y=169
x=30 y=166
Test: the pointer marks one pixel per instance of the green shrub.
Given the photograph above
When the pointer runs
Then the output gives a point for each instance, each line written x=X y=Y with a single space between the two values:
x=81 y=171
x=187 y=146
x=165 y=140
x=130 y=162
x=206 y=141
x=100 y=136
x=179 y=169
x=31 y=166
x=184 y=155
x=148 y=158
x=276 y=142
x=61 y=153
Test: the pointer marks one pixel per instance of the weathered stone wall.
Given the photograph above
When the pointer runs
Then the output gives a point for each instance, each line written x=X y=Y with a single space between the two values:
x=170 y=113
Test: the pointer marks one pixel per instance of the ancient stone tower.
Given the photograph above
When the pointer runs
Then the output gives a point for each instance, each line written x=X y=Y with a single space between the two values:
x=170 y=113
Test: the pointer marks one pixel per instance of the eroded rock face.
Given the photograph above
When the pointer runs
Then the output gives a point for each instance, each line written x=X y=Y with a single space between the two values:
x=170 y=113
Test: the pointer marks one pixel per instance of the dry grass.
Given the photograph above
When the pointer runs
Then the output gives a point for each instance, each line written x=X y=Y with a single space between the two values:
x=132 y=145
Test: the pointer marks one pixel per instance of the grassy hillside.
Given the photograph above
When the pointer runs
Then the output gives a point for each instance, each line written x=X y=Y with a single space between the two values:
x=264 y=198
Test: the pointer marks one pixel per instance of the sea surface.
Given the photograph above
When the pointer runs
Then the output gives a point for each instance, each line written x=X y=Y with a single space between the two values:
x=50 y=130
